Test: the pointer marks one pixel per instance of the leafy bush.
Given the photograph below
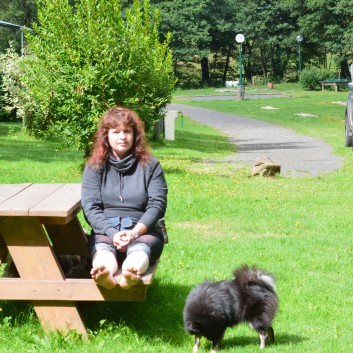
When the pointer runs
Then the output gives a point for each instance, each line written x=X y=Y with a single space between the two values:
x=189 y=76
x=310 y=78
x=83 y=60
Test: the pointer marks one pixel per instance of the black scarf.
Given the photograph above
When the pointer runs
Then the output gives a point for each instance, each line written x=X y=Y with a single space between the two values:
x=122 y=166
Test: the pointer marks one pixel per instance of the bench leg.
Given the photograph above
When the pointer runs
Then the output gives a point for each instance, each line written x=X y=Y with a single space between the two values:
x=34 y=259
x=59 y=316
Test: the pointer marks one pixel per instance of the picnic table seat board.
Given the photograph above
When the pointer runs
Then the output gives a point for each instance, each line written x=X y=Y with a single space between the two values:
x=72 y=289
x=38 y=225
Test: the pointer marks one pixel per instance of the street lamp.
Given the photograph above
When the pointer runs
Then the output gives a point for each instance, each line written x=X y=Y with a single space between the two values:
x=240 y=39
x=299 y=39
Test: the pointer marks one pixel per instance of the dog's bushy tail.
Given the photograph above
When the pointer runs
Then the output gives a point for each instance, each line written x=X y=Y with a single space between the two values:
x=246 y=275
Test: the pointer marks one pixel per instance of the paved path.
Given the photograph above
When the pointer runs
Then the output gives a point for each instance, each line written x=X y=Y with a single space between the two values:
x=298 y=155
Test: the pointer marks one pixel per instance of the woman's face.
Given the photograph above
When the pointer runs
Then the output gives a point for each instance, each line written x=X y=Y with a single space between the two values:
x=121 y=140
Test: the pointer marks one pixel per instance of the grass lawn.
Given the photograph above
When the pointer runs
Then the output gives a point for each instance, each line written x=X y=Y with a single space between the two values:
x=218 y=218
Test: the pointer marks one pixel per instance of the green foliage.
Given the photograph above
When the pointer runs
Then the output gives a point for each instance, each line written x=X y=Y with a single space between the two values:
x=189 y=25
x=188 y=76
x=310 y=78
x=85 y=59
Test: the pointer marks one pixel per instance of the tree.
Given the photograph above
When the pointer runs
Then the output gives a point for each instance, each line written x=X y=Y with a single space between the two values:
x=186 y=21
x=85 y=59
x=327 y=28
x=223 y=29
x=344 y=7
x=267 y=26
x=21 y=12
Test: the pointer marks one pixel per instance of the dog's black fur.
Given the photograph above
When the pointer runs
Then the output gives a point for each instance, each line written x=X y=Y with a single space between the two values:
x=75 y=266
x=250 y=297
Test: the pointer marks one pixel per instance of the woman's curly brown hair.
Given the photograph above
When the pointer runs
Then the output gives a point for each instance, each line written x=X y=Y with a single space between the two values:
x=115 y=118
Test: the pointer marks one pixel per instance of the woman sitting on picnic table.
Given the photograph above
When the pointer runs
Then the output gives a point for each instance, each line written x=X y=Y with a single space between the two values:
x=124 y=194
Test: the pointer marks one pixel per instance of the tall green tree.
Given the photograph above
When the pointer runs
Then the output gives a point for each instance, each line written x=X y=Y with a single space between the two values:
x=85 y=58
x=20 y=12
x=344 y=7
x=327 y=29
x=221 y=15
x=267 y=26
x=187 y=23
x=340 y=34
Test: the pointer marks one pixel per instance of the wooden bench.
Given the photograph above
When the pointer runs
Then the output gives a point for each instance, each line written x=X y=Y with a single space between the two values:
x=336 y=83
x=38 y=225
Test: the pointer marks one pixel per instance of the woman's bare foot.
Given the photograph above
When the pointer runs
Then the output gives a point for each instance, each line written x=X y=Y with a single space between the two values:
x=103 y=277
x=129 y=278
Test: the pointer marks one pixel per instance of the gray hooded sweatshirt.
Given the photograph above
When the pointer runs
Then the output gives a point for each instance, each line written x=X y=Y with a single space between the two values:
x=123 y=188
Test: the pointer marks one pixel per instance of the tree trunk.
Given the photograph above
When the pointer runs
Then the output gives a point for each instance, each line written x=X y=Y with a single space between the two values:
x=226 y=66
x=263 y=62
x=273 y=63
x=247 y=66
x=205 y=71
x=344 y=69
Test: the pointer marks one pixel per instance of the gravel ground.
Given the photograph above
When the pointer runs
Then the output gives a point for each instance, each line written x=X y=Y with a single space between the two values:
x=299 y=156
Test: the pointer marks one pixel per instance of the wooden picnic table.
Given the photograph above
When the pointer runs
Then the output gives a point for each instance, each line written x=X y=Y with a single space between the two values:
x=38 y=224
x=335 y=83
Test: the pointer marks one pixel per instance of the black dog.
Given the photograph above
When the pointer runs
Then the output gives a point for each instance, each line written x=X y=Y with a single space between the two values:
x=211 y=307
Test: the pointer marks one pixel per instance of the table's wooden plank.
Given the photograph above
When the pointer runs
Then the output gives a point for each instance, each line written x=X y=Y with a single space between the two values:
x=61 y=203
x=33 y=256
x=73 y=289
x=58 y=220
x=19 y=204
x=68 y=290
x=9 y=190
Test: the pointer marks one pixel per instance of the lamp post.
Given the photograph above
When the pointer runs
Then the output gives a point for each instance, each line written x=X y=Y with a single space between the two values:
x=299 y=39
x=240 y=39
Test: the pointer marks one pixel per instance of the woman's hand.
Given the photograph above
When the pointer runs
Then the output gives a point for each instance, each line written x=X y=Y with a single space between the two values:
x=123 y=238
x=120 y=241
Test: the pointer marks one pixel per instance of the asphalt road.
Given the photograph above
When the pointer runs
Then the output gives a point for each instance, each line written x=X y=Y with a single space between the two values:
x=299 y=156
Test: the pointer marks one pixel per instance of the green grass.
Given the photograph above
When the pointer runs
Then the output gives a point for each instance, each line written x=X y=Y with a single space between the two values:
x=25 y=158
x=218 y=218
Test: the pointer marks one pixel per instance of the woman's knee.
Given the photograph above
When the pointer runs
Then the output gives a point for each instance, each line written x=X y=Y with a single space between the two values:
x=137 y=260
x=154 y=246
x=105 y=258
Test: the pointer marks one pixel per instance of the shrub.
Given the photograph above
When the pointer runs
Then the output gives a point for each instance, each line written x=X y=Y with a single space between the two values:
x=83 y=60
x=310 y=78
x=189 y=76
